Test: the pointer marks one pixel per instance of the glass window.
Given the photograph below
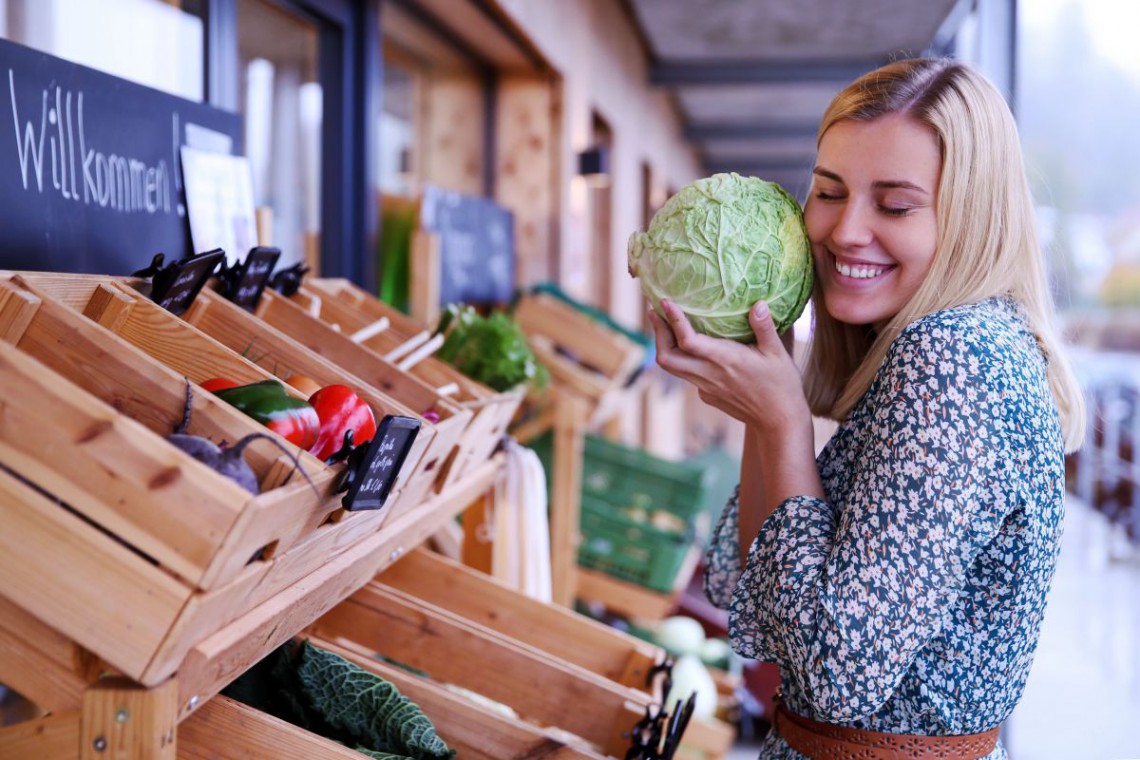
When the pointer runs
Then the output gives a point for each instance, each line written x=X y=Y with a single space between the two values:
x=1078 y=124
x=282 y=104
x=433 y=124
x=158 y=43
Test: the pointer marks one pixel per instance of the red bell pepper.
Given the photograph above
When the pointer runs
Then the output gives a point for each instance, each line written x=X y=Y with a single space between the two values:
x=218 y=383
x=341 y=410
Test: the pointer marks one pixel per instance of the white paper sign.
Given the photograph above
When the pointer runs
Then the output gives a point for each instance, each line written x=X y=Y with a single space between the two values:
x=219 y=200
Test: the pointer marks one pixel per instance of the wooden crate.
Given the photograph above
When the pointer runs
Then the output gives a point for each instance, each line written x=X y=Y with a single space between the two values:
x=351 y=310
x=215 y=338
x=451 y=648
x=582 y=354
x=45 y=665
x=281 y=355
x=153 y=549
x=369 y=367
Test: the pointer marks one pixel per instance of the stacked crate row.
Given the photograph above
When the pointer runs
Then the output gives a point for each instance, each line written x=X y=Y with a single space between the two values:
x=123 y=556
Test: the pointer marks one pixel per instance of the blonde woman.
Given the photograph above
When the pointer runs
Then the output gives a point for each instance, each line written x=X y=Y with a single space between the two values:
x=899 y=580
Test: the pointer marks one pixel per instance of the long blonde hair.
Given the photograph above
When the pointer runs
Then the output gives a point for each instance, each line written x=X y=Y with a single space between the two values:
x=987 y=244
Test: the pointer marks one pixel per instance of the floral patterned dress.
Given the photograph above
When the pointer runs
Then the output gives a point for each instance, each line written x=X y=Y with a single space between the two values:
x=910 y=600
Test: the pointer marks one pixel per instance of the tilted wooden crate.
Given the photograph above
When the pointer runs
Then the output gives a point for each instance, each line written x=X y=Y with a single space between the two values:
x=552 y=667
x=369 y=367
x=354 y=312
x=140 y=551
x=212 y=334
x=279 y=353
x=582 y=354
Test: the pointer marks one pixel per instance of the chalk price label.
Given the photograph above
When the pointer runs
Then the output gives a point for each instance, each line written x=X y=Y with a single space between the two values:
x=370 y=478
x=176 y=286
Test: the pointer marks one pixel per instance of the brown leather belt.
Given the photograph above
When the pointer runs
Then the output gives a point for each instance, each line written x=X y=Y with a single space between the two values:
x=825 y=741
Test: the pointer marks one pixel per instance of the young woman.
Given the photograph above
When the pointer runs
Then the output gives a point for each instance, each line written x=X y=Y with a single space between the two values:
x=899 y=580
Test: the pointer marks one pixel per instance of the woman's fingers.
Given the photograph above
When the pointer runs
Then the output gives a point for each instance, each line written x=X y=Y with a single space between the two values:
x=688 y=339
x=672 y=359
x=767 y=339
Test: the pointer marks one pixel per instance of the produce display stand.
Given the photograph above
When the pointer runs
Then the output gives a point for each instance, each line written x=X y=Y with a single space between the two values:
x=136 y=582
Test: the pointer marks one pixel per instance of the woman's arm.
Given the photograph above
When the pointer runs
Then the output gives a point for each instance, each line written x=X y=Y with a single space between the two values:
x=775 y=467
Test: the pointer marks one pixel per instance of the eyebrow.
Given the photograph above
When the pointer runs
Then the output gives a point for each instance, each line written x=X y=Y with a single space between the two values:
x=886 y=184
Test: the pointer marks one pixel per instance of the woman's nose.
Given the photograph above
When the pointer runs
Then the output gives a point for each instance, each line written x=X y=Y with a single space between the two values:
x=853 y=225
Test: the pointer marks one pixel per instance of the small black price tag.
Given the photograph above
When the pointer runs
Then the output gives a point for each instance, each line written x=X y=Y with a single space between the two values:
x=288 y=281
x=176 y=286
x=251 y=276
x=371 y=476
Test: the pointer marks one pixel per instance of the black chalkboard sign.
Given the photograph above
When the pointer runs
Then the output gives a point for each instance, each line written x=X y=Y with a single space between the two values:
x=176 y=286
x=90 y=177
x=372 y=477
x=477 y=246
x=245 y=282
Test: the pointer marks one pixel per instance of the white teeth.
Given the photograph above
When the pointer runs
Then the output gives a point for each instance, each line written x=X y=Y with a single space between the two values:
x=859 y=272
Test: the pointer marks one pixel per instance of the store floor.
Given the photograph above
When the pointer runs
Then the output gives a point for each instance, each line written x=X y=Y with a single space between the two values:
x=1082 y=701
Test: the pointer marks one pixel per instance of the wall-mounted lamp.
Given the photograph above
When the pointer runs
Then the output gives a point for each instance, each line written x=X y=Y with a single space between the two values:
x=594 y=163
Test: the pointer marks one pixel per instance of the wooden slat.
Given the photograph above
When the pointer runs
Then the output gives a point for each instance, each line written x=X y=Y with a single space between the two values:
x=566 y=495
x=48 y=558
x=17 y=309
x=109 y=306
x=539 y=687
x=42 y=664
x=592 y=343
x=477 y=550
x=552 y=628
x=219 y=659
x=622 y=597
x=224 y=728
x=475 y=732
x=52 y=737
x=207 y=612
x=424 y=278
x=121 y=719
x=707 y=738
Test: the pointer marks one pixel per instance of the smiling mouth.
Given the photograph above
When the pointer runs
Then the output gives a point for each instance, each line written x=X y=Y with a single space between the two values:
x=861 y=271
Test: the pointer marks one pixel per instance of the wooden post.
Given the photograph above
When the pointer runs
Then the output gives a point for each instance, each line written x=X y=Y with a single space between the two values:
x=566 y=500
x=424 y=273
x=264 y=217
x=478 y=550
x=121 y=719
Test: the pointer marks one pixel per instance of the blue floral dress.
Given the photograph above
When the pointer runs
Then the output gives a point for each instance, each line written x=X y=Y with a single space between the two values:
x=910 y=600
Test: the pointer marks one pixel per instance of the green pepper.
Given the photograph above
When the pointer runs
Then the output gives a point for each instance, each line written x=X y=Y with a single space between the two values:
x=293 y=419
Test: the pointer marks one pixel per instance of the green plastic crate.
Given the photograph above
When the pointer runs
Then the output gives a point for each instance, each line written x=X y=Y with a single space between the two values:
x=639 y=513
x=630 y=477
x=629 y=549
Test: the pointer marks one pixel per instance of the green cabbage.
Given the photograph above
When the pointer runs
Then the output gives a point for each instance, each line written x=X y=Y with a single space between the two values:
x=720 y=245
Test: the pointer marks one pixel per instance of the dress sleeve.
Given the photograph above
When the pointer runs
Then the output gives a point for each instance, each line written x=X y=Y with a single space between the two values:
x=843 y=600
x=722 y=558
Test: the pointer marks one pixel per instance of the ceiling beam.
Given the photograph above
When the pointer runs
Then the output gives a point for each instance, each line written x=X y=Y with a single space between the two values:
x=705 y=72
x=755 y=130
x=944 y=37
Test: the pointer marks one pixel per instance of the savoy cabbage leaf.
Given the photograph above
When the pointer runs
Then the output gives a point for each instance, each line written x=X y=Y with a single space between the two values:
x=330 y=696
x=367 y=707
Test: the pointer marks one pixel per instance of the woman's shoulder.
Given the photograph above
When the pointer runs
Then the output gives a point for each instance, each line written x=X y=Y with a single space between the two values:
x=993 y=330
